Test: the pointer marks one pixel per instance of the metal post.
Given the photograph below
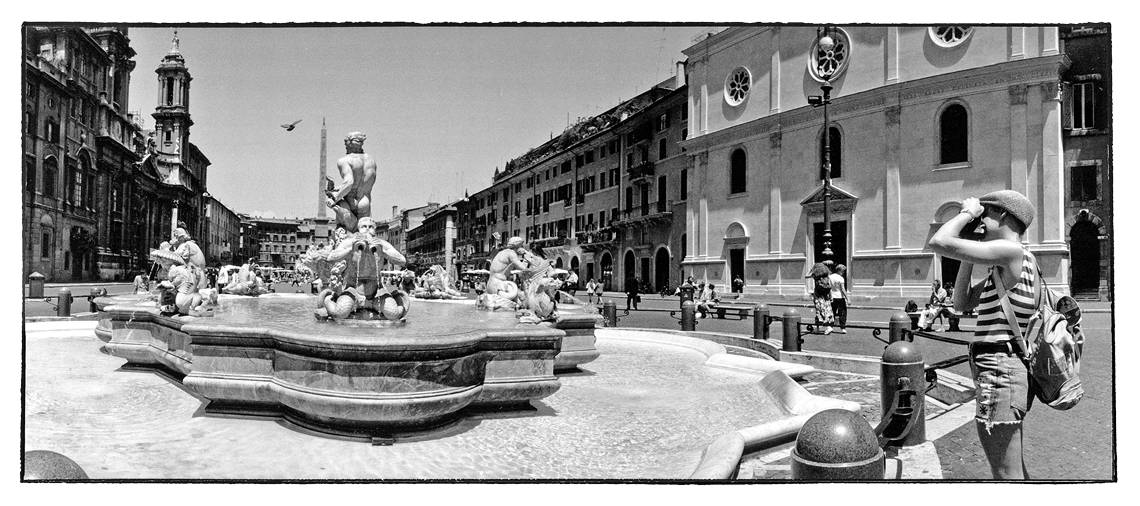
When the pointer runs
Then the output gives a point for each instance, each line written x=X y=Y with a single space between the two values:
x=760 y=322
x=63 y=308
x=688 y=316
x=791 y=330
x=903 y=369
x=827 y=253
x=36 y=285
x=609 y=313
x=900 y=324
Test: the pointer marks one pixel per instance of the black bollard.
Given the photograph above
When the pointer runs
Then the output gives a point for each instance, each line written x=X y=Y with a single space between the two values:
x=36 y=285
x=95 y=292
x=609 y=313
x=837 y=445
x=903 y=361
x=686 y=293
x=688 y=316
x=900 y=324
x=791 y=330
x=63 y=307
x=760 y=322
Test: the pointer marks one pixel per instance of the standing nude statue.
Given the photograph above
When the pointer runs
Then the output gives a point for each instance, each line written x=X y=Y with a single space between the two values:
x=353 y=200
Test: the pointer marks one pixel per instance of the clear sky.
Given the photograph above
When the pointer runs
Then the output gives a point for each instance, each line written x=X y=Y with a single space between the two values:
x=442 y=106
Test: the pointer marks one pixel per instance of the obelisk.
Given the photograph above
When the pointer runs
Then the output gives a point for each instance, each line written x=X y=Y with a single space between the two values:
x=324 y=176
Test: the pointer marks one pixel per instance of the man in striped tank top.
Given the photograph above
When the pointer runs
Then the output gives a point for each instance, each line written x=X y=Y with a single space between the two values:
x=1001 y=380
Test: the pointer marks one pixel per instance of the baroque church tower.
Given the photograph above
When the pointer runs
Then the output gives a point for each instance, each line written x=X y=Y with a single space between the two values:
x=172 y=115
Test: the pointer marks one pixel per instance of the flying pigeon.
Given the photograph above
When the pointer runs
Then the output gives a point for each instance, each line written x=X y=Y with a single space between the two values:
x=289 y=127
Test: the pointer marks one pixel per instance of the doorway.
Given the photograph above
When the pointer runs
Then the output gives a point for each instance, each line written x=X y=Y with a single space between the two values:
x=645 y=274
x=661 y=269
x=735 y=267
x=838 y=242
x=607 y=268
x=1084 y=254
x=628 y=272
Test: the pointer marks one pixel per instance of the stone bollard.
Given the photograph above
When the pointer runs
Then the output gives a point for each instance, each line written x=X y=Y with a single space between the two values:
x=688 y=316
x=686 y=293
x=902 y=360
x=63 y=304
x=760 y=322
x=95 y=293
x=900 y=324
x=47 y=465
x=791 y=330
x=837 y=445
x=36 y=285
x=609 y=313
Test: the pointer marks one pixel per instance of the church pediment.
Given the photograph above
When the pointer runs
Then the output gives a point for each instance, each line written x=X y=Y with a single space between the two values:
x=841 y=201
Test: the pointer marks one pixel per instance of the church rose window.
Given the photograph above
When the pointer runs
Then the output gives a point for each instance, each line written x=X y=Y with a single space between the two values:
x=736 y=86
x=828 y=64
x=950 y=35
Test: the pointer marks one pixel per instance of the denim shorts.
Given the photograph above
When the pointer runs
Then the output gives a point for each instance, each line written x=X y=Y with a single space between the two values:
x=1001 y=385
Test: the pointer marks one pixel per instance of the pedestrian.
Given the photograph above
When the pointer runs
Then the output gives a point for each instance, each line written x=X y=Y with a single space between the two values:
x=737 y=284
x=839 y=296
x=936 y=306
x=591 y=290
x=709 y=297
x=820 y=275
x=572 y=284
x=631 y=295
x=1001 y=378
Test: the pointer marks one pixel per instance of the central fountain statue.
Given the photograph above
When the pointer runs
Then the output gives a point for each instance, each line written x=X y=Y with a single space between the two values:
x=350 y=267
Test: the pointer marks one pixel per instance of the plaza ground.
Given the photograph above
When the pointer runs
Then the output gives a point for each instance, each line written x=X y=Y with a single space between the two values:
x=1053 y=449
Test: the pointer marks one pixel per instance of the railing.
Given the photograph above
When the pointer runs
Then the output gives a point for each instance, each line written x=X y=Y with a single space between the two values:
x=640 y=171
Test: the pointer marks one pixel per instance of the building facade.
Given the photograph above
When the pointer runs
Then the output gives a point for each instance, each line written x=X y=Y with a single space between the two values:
x=223 y=234
x=84 y=199
x=277 y=241
x=921 y=117
x=249 y=240
x=1086 y=113
x=433 y=241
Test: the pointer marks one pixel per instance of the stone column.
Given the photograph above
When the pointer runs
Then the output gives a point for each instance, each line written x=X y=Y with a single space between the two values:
x=1018 y=141
x=892 y=56
x=775 y=198
x=774 y=75
x=1052 y=206
x=892 y=186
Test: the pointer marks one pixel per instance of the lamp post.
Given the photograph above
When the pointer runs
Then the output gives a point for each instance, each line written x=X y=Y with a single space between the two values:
x=826 y=43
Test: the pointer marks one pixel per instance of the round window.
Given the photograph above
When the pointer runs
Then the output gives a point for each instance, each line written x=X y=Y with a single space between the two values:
x=826 y=63
x=737 y=85
x=950 y=35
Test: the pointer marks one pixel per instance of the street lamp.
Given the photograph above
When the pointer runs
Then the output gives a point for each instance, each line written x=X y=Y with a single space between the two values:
x=826 y=43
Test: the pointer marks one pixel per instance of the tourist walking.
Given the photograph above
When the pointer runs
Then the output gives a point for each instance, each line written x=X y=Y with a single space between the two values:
x=820 y=275
x=631 y=295
x=591 y=289
x=839 y=296
x=1001 y=378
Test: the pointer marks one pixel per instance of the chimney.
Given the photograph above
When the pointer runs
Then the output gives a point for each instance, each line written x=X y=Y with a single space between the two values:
x=395 y=211
x=680 y=77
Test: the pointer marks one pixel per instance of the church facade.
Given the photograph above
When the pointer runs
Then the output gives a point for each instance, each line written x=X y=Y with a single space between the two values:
x=920 y=118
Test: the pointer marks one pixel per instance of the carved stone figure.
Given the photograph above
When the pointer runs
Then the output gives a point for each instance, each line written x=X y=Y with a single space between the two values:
x=353 y=200
x=436 y=284
x=357 y=288
x=498 y=283
x=184 y=279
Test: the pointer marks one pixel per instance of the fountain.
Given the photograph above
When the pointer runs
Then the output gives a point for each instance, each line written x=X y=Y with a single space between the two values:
x=357 y=366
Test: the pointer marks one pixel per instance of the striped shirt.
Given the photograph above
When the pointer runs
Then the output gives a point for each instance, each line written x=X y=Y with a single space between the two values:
x=992 y=322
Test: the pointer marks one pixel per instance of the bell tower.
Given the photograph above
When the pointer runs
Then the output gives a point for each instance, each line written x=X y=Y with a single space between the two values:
x=172 y=115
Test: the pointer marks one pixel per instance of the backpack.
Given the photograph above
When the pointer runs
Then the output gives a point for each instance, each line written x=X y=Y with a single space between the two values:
x=1052 y=344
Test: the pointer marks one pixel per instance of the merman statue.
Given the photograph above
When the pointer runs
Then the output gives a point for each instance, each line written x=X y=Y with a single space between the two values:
x=357 y=289
x=183 y=279
x=502 y=293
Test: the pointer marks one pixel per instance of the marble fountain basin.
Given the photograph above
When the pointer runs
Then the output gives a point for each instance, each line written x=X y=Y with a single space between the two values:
x=268 y=356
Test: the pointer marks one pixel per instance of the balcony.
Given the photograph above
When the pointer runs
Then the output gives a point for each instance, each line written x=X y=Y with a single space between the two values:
x=549 y=242
x=641 y=172
x=649 y=214
x=593 y=240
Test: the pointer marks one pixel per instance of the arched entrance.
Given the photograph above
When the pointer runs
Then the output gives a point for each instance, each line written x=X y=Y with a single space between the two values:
x=1084 y=251
x=574 y=266
x=558 y=263
x=606 y=265
x=661 y=270
x=628 y=272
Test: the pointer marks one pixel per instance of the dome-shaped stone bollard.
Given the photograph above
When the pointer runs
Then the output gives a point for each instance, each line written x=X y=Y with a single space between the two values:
x=899 y=324
x=837 y=445
x=902 y=359
x=48 y=465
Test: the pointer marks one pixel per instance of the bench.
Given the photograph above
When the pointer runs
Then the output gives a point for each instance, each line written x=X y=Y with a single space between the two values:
x=951 y=315
x=741 y=311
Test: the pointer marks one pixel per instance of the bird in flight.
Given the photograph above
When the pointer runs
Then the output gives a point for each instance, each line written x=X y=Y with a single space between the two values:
x=289 y=127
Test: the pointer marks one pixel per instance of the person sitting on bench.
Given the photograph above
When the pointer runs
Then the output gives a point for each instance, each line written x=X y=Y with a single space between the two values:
x=709 y=297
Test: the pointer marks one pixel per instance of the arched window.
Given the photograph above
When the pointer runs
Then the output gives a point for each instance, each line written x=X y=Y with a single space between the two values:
x=30 y=175
x=836 y=149
x=953 y=136
x=51 y=167
x=737 y=172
